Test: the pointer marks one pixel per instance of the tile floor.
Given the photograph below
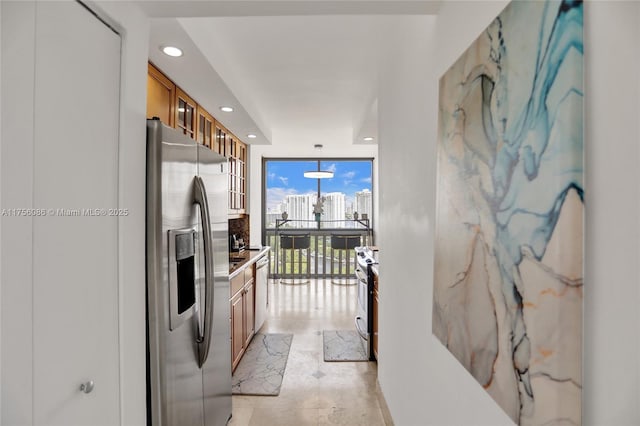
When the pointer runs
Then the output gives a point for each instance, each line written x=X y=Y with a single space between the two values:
x=313 y=392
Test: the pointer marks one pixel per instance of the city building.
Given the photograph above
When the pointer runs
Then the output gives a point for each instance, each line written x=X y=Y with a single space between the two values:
x=364 y=203
x=300 y=207
x=334 y=209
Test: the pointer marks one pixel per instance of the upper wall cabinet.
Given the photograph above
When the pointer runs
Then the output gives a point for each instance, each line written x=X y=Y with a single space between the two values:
x=161 y=93
x=177 y=109
x=225 y=143
x=237 y=175
x=186 y=115
x=206 y=128
x=221 y=142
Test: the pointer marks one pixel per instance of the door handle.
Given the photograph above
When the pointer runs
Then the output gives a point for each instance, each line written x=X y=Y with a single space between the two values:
x=365 y=336
x=204 y=336
x=87 y=387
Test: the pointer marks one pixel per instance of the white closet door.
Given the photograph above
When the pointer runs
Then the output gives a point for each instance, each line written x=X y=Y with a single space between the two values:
x=75 y=262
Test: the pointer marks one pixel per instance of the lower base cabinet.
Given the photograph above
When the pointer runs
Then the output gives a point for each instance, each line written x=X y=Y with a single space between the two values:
x=249 y=313
x=237 y=329
x=242 y=314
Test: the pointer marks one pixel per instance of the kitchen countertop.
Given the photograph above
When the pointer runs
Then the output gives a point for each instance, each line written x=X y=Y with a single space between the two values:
x=245 y=258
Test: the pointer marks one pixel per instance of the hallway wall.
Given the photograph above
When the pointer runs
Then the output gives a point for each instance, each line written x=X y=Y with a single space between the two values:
x=422 y=382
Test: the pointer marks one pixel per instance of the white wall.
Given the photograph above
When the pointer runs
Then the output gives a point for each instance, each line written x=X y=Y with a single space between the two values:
x=133 y=26
x=257 y=152
x=18 y=38
x=611 y=353
x=0 y=223
x=422 y=383
x=16 y=182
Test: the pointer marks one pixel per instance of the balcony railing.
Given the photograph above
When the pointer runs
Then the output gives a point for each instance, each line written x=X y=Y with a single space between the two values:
x=302 y=250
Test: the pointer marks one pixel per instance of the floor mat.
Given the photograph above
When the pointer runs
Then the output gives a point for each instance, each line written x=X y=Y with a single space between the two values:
x=343 y=345
x=261 y=369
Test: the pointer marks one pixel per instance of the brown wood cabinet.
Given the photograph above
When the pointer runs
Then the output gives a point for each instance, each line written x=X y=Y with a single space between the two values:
x=177 y=109
x=220 y=141
x=237 y=329
x=249 y=313
x=206 y=128
x=227 y=144
x=237 y=175
x=242 y=310
x=160 y=96
x=185 y=113
x=375 y=316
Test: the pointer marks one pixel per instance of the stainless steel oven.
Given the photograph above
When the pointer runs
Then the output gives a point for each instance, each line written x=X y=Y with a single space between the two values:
x=364 y=311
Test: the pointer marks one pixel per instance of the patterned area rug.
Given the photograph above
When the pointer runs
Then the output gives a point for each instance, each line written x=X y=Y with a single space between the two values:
x=343 y=345
x=261 y=369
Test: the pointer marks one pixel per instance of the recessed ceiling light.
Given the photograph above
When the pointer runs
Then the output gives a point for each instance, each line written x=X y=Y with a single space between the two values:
x=171 y=51
x=226 y=109
x=251 y=136
x=367 y=138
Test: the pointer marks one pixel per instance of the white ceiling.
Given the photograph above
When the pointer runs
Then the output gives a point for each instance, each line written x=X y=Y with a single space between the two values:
x=305 y=78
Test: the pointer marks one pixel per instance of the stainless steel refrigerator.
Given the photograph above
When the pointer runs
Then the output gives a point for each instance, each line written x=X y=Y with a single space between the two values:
x=188 y=342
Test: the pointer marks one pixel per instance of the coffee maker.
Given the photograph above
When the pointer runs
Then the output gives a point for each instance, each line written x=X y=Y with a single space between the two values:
x=235 y=244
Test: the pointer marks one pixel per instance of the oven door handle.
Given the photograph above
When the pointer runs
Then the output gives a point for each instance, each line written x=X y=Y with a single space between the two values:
x=365 y=336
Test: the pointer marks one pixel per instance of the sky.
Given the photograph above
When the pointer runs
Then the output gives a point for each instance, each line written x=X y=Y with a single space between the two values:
x=286 y=178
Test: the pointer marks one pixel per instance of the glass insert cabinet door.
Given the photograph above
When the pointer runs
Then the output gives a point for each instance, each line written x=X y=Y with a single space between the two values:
x=185 y=113
x=205 y=128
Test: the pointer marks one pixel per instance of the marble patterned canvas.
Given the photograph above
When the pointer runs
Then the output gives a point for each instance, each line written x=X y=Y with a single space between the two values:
x=508 y=277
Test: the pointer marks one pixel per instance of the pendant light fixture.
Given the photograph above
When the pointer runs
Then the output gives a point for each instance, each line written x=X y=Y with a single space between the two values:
x=318 y=174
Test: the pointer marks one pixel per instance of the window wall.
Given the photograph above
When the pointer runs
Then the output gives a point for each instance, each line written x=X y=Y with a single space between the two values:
x=328 y=203
x=311 y=224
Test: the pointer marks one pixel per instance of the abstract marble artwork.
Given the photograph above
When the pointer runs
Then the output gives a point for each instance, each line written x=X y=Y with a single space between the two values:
x=261 y=369
x=343 y=345
x=509 y=224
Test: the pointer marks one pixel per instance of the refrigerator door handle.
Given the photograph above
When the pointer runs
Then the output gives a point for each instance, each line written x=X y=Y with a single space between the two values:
x=204 y=337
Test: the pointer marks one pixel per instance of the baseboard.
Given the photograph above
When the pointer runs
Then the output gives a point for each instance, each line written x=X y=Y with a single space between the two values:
x=386 y=414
